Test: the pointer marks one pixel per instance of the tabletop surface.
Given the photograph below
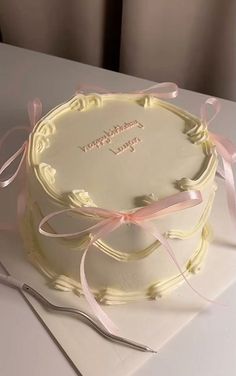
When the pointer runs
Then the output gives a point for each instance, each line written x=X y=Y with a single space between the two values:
x=204 y=347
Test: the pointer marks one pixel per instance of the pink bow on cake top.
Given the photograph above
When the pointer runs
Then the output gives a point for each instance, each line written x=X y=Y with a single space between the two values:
x=110 y=220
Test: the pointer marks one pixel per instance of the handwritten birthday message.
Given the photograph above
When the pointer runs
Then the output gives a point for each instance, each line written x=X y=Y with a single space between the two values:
x=108 y=135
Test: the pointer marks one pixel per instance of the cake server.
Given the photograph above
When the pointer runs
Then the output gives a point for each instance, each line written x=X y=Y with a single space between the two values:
x=12 y=282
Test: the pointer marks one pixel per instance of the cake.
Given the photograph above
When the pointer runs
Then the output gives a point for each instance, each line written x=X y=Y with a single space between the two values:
x=119 y=152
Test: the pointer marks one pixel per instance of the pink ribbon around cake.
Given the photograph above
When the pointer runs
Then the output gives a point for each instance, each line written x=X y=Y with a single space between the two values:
x=110 y=220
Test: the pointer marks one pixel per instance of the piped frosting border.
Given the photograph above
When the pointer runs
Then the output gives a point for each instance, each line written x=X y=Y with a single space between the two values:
x=45 y=128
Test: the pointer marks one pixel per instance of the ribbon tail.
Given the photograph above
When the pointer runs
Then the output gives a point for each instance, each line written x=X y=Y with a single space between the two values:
x=149 y=228
x=220 y=172
x=10 y=131
x=230 y=189
x=214 y=103
x=34 y=111
x=165 y=90
x=170 y=90
x=22 y=195
x=96 y=308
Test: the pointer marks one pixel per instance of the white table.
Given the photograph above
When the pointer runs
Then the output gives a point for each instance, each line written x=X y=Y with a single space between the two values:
x=205 y=347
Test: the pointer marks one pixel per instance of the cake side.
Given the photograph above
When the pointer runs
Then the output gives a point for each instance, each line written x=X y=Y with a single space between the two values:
x=122 y=289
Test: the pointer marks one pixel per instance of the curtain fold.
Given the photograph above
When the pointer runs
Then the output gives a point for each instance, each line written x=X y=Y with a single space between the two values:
x=192 y=43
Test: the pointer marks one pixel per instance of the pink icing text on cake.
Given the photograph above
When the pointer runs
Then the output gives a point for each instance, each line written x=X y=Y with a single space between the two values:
x=109 y=134
x=129 y=145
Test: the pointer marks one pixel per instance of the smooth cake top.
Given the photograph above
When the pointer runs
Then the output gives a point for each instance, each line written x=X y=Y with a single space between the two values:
x=115 y=151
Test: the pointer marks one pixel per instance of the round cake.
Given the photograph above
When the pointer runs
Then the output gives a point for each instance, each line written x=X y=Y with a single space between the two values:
x=119 y=152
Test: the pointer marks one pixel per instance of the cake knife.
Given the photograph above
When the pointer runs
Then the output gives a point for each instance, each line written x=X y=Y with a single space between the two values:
x=14 y=283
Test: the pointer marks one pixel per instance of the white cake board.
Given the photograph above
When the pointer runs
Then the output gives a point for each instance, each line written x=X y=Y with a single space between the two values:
x=151 y=323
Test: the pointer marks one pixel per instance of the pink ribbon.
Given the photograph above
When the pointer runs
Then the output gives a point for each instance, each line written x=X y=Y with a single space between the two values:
x=164 y=90
x=227 y=151
x=110 y=220
x=34 y=113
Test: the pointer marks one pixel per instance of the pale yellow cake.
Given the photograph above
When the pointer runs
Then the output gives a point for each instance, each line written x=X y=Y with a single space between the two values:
x=118 y=152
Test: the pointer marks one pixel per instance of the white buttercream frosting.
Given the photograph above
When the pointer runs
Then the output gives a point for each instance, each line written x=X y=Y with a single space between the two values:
x=118 y=152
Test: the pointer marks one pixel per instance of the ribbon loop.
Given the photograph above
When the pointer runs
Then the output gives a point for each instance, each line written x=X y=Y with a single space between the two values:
x=34 y=113
x=110 y=221
x=227 y=151
x=21 y=150
x=224 y=147
x=215 y=105
x=164 y=90
x=171 y=204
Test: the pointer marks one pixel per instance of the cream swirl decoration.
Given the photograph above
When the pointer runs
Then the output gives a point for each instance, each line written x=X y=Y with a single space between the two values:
x=198 y=134
x=47 y=174
x=42 y=138
x=147 y=101
x=41 y=142
x=47 y=128
x=82 y=102
x=79 y=197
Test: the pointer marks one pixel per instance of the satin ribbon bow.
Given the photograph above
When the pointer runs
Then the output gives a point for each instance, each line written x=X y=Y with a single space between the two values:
x=226 y=150
x=110 y=220
x=34 y=113
x=163 y=90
